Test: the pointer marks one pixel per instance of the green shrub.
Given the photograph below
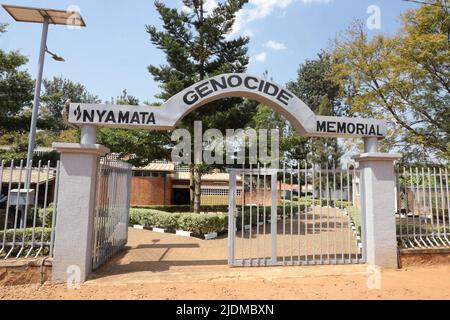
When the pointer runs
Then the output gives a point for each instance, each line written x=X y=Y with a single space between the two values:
x=28 y=234
x=202 y=224
x=309 y=202
x=38 y=233
x=197 y=223
x=145 y=217
x=48 y=215
x=166 y=220
x=154 y=218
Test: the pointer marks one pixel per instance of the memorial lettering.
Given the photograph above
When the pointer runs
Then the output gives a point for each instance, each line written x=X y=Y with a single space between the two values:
x=342 y=128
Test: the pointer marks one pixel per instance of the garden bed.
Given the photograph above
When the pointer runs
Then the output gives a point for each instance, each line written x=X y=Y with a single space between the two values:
x=168 y=222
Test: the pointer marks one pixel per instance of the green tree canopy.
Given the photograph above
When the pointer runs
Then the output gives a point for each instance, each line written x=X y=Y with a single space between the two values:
x=138 y=147
x=16 y=90
x=56 y=92
x=321 y=93
x=404 y=78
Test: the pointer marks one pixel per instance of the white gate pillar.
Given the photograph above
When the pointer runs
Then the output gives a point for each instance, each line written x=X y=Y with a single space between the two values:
x=377 y=185
x=76 y=205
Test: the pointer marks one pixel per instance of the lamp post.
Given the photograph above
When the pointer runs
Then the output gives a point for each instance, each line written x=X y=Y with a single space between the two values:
x=46 y=17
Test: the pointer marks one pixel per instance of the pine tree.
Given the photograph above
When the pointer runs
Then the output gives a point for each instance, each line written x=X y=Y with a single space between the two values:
x=197 y=46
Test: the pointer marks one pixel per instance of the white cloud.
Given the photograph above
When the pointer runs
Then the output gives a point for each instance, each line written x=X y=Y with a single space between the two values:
x=260 y=57
x=275 y=45
x=210 y=5
x=260 y=9
x=248 y=33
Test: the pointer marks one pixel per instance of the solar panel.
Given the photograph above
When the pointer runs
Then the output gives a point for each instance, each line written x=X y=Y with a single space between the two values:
x=39 y=15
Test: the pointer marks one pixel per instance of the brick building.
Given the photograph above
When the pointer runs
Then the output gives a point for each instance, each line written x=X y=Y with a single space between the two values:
x=168 y=184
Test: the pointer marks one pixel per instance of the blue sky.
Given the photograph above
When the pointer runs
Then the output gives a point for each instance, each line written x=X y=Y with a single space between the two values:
x=113 y=52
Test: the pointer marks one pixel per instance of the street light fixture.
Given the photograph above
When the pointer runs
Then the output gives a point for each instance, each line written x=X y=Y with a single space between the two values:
x=55 y=56
x=46 y=17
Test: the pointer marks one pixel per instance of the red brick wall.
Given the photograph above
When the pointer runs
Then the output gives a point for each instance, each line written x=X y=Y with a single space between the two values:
x=146 y=191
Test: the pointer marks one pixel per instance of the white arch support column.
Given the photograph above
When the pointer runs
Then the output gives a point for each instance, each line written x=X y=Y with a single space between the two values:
x=88 y=134
x=76 y=204
x=377 y=181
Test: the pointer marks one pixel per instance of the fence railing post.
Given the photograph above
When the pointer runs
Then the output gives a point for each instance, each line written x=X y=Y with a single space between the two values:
x=231 y=220
x=274 y=219
x=76 y=205
x=377 y=182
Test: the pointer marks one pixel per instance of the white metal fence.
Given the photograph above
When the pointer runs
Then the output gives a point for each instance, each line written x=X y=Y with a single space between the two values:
x=423 y=201
x=298 y=215
x=112 y=209
x=27 y=210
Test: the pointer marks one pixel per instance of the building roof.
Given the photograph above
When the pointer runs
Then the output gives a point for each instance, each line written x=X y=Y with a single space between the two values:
x=181 y=173
x=159 y=167
x=16 y=176
x=37 y=149
x=207 y=177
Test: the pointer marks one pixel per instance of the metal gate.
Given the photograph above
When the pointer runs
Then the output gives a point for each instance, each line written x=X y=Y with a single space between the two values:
x=422 y=207
x=297 y=215
x=112 y=210
x=28 y=212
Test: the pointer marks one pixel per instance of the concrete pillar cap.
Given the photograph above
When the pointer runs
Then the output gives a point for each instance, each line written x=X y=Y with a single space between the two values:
x=377 y=157
x=94 y=149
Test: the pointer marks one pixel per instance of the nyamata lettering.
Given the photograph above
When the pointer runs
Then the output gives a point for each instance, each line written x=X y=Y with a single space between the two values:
x=121 y=117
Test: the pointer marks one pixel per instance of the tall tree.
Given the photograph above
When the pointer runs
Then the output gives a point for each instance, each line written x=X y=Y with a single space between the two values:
x=404 y=78
x=139 y=147
x=16 y=90
x=321 y=93
x=56 y=92
x=196 y=46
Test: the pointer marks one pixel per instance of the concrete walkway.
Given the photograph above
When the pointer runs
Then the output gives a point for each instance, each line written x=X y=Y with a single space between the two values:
x=154 y=257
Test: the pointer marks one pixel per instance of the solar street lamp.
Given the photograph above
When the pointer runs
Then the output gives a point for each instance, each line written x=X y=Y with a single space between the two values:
x=45 y=17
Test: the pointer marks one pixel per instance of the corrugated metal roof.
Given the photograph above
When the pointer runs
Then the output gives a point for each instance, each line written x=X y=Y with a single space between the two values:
x=206 y=177
x=183 y=175
x=16 y=176
x=160 y=167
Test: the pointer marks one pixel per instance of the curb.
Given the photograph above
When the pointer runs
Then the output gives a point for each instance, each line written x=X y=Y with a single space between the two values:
x=180 y=233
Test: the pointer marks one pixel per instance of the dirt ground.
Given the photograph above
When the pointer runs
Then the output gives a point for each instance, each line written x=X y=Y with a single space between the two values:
x=164 y=266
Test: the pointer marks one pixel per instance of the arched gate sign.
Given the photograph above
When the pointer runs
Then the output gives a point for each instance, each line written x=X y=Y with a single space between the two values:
x=169 y=115
x=79 y=162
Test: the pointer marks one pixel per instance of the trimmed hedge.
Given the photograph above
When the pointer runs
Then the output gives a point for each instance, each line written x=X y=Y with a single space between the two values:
x=202 y=224
x=28 y=234
x=197 y=223
x=166 y=217
x=28 y=238
x=303 y=202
